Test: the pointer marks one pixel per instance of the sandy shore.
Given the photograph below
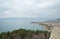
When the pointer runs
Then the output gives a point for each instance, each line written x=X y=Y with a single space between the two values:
x=53 y=27
x=55 y=34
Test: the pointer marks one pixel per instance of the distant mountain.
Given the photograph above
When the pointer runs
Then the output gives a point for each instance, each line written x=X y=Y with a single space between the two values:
x=58 y=19
x=55 y=20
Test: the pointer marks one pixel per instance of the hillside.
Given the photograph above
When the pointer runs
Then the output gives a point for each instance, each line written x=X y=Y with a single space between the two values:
x=25 y=34
x=55 y=20
x=58 y=19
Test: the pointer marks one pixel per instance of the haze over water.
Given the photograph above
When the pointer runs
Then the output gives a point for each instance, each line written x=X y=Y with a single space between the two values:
x=14 y=24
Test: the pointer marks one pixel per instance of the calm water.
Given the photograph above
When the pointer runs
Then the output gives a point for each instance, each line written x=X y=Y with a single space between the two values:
x=10 y=25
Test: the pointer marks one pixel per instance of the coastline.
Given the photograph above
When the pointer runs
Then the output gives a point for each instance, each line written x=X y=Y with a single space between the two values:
x=54 y=28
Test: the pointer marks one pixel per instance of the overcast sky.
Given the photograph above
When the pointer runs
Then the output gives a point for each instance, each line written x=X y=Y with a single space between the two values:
x=30 y=8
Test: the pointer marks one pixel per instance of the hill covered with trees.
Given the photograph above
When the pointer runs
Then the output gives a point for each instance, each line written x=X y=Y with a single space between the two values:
x=25 y=34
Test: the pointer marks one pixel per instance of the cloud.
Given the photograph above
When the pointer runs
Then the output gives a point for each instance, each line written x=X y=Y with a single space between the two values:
x=29 y=8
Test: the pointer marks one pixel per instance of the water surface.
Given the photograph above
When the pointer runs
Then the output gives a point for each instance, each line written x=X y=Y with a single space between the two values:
x=10 y=25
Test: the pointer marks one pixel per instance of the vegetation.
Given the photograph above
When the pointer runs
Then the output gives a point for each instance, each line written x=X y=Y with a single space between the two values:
x=21 y=34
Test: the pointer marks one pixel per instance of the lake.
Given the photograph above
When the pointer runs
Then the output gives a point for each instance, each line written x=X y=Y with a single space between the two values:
x=11 y=24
